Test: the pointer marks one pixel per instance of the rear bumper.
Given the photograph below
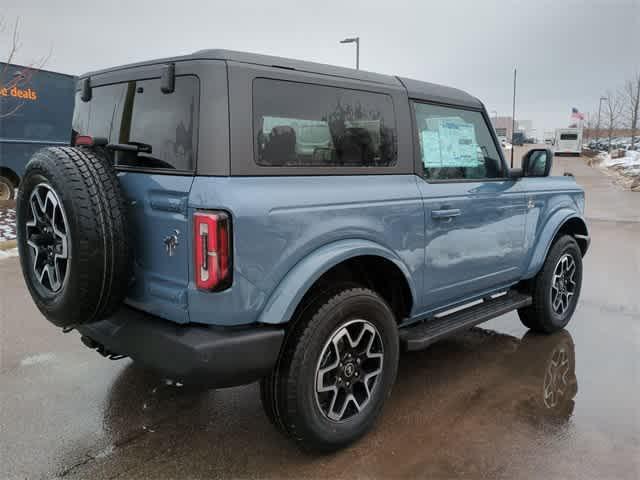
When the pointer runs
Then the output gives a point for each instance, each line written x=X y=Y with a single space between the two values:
x=215 y=356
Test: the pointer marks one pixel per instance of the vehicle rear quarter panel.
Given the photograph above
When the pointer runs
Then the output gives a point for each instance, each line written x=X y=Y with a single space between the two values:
x=279 y=221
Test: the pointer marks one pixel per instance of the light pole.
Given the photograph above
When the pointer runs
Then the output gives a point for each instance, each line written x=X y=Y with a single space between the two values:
x=495 y=118
x=513 y=117
x=598 y=124
x=355 y=40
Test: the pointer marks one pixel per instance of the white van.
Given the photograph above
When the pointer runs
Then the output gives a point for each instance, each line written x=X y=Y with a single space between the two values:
x=568 y=141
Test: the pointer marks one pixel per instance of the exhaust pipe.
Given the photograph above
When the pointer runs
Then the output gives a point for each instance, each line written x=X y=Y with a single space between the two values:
x=98 y=347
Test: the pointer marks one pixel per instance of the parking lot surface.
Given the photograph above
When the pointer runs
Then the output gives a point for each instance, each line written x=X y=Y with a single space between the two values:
x=494 y=402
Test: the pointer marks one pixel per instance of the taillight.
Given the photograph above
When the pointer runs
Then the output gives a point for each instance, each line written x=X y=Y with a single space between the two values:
x=84 y=140
x=212 y=252
x=89 y=141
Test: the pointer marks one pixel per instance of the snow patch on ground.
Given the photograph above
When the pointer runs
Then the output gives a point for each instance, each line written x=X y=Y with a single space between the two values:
x=626 y=168
x=631 y=159
x=7 y=223
x=37 y=359
x=105 y=452
x=12 y=252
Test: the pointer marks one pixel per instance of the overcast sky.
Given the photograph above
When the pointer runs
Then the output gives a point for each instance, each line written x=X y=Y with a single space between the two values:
x=568 y=52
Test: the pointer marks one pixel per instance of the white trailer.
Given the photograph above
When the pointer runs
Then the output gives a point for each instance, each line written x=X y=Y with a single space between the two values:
x=568 y=141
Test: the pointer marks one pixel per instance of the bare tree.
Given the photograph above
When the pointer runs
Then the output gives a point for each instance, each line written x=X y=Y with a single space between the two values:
x=631 y=97
x=23 y=79
x=589 y=125
x=613 y=106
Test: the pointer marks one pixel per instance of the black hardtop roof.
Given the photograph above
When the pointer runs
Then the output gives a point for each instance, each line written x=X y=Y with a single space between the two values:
x=415 y=88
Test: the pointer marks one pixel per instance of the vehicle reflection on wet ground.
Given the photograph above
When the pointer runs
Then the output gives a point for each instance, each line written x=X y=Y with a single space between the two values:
x=493 y=402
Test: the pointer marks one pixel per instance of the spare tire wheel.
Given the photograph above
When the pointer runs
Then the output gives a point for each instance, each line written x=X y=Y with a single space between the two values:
x=72 y=235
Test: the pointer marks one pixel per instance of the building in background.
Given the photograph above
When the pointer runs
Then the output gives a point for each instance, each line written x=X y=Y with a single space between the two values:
x=525 y=127
x=503 y=127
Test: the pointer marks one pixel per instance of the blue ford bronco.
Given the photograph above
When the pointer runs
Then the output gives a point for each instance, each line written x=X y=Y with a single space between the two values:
x=224 y=217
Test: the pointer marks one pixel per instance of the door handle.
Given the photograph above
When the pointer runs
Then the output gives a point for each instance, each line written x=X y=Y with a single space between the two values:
x=448 y=213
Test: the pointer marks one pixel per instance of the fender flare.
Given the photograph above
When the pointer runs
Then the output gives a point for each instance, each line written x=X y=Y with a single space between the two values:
x=549 y=232
x=289 y=292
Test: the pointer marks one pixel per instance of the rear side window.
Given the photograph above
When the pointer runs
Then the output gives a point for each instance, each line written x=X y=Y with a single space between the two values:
x=300 y=124
x=568 y=136
x=104 y=109
x=455 y=144
x=138 y=113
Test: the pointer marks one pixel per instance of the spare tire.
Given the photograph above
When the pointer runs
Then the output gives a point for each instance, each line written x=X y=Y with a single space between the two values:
x=72 y=235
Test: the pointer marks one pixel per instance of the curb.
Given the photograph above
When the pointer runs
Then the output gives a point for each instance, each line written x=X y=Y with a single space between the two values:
x=8 y=244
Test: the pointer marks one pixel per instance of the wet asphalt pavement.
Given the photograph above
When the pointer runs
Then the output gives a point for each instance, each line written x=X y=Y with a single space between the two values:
x=494 y=402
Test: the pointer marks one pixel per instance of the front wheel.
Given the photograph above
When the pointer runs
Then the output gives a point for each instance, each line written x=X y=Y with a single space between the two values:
x=337 y=368
x=555 y=289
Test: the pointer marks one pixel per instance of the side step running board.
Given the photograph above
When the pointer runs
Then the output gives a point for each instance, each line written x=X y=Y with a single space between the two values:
x=421 y=335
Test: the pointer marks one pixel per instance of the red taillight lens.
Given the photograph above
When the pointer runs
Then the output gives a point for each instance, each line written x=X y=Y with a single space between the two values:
x=84 y=140
x=212 y=238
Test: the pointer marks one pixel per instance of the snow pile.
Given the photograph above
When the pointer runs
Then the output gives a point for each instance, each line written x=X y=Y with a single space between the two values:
x=7 y=223
x=630 y=159
x=627 y=167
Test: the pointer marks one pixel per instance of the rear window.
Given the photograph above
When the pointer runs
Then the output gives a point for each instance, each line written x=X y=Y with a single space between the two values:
x=568 y=136
x=138 y=113
x=300 y=124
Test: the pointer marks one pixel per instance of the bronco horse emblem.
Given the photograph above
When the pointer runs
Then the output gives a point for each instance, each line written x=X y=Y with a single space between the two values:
x=171 y=242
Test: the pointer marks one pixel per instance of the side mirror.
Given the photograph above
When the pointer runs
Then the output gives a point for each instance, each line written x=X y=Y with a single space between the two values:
x=537 y=162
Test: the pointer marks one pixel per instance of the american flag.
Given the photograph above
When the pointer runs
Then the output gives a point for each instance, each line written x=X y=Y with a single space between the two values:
x=576 y=115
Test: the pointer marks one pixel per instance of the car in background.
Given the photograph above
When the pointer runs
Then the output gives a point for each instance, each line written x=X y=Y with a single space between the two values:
x=568 y=141
x=518 y=138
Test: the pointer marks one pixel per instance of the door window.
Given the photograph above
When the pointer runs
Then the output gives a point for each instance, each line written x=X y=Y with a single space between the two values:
x=455 y=144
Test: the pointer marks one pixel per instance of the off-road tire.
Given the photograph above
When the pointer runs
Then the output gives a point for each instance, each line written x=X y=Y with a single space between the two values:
x=540 y=316
x=98 y=270
x=6 y=185
x=311 y=303
x=288 y=394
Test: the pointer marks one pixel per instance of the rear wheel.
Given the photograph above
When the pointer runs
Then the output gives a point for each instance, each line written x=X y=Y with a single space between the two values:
x=7 y=188
x=556 y=288
x=337 y=368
